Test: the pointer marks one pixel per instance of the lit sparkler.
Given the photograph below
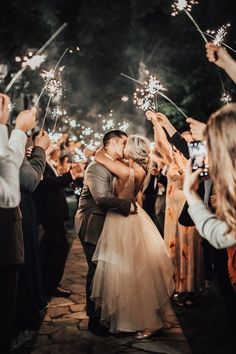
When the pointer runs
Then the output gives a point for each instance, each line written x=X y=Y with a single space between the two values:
x=108 y=124
x=159 y=93
x=79 y=156
x=35 y=61
x=11 y=106
x=54 y=136
x=220 y=34
x=124 y=98
x=186 y=6
x=123 y=126
x=40 y=51
x=87 y=131
x=226 y=98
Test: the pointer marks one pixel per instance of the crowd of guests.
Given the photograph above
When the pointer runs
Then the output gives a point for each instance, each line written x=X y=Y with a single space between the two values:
x=195 y=217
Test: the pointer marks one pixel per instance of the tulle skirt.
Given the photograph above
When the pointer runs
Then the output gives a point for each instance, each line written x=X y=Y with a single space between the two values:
x=133 y=281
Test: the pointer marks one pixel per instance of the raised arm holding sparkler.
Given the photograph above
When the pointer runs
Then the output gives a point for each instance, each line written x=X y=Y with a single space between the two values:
x=219 y=56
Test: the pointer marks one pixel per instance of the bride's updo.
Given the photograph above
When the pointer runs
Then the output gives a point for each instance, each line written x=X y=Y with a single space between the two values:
x=138 y=149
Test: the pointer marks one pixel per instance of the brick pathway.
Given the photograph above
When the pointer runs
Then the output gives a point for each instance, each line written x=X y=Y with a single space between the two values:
x=59 y=333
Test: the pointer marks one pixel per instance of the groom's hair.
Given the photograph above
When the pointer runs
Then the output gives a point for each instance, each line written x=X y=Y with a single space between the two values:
x=112 y=134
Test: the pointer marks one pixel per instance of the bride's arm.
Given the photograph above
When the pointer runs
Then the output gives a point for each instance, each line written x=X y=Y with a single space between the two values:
x=118 y=168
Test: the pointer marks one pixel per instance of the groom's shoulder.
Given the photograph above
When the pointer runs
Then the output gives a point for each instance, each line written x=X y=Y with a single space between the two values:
x=95 y=166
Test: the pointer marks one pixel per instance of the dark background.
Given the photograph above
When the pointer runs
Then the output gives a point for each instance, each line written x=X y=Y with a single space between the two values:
x=127 y=36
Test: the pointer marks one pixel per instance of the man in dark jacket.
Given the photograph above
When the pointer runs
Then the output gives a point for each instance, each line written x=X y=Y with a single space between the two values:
x=52 y=210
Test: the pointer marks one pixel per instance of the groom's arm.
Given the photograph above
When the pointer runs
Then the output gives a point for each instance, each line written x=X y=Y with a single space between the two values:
x=98 y=181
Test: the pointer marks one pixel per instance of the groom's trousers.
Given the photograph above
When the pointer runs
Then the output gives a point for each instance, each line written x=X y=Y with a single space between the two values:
x=89 y=250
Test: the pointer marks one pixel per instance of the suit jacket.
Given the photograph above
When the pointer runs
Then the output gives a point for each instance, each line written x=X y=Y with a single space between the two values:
x=96 y=199
x=49 y=196
x=12 y=243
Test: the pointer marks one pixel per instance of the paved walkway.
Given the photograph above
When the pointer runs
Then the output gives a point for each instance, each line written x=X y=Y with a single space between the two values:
x=59 y=333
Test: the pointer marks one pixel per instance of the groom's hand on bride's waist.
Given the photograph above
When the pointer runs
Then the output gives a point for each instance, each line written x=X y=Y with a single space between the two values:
x=134 y=208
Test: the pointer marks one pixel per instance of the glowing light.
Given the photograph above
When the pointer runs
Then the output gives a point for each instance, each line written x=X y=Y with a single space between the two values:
x=153 y=86
x=11 y=106
x=124 y=98
x=73 y=123
x=220 y=34
x=226 y=98
x=35 y=61
x=180 y=5
x=79 y=156
x=54 y=136
x=109 y=124
x=87 y=131
x=123 y=126
x=18 y=59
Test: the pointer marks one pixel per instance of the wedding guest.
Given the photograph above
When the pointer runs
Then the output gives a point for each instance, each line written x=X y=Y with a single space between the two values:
x=29 y=291
x=11 y=237
x=182 y=241
x=52 y=211
x=220 y=228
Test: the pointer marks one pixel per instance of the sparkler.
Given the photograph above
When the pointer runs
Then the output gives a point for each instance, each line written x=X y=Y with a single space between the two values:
x=79 y=156
x=219 y=35
x=54 y=136
x=186 y=6
x=226 y=98
x=56 y=113
x=109 y=124
x=52 y=85
x=40 y=51
x=159 y=93
x=46 y=112
x=123 y=126
x=11 y=106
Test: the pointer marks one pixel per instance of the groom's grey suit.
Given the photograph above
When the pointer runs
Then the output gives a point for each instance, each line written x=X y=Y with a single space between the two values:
x=96 y=199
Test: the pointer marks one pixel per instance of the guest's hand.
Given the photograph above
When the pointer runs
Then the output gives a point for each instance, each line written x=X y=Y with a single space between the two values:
x=191 y=183
x=42 y=140
x=4 y=112
x=88 y=152
x=213 y=201
x=76 y=170
x=197 y=128
x=26 y=119
x=218 y=55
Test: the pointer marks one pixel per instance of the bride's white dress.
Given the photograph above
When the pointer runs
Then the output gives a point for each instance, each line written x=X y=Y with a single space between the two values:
x=133 y=281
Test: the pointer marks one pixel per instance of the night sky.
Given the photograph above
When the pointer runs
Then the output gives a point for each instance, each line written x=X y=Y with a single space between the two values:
x=118 y=36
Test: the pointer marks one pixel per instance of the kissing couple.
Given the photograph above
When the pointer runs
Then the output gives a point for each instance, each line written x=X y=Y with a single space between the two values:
x=130 y=273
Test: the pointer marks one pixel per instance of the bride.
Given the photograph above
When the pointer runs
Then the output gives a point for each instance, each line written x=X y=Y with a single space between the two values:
x=133 y=281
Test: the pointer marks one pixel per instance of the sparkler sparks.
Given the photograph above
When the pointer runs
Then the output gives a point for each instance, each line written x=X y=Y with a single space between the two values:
x=180 y=5
x=11 y=106
x=153 y=86
x=35 y=61
x=54 y=136
x=124 y=98
x=186 y=6
x=109 y=124
x=144 y=101
x=79 y=156
x=226 y=98
x=220 y=34
x=87 y=131
x=123 y=126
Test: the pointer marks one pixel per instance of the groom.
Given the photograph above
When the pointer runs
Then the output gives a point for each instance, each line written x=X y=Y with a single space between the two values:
x=96 y=199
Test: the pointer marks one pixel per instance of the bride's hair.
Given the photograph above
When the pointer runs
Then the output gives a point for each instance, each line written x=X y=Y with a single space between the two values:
x=138 y=149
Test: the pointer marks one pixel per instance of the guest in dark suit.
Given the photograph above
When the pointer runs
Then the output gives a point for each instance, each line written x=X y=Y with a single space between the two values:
x=96 y=199
x=52 y=210
x=29 y=291
x=11 y=237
